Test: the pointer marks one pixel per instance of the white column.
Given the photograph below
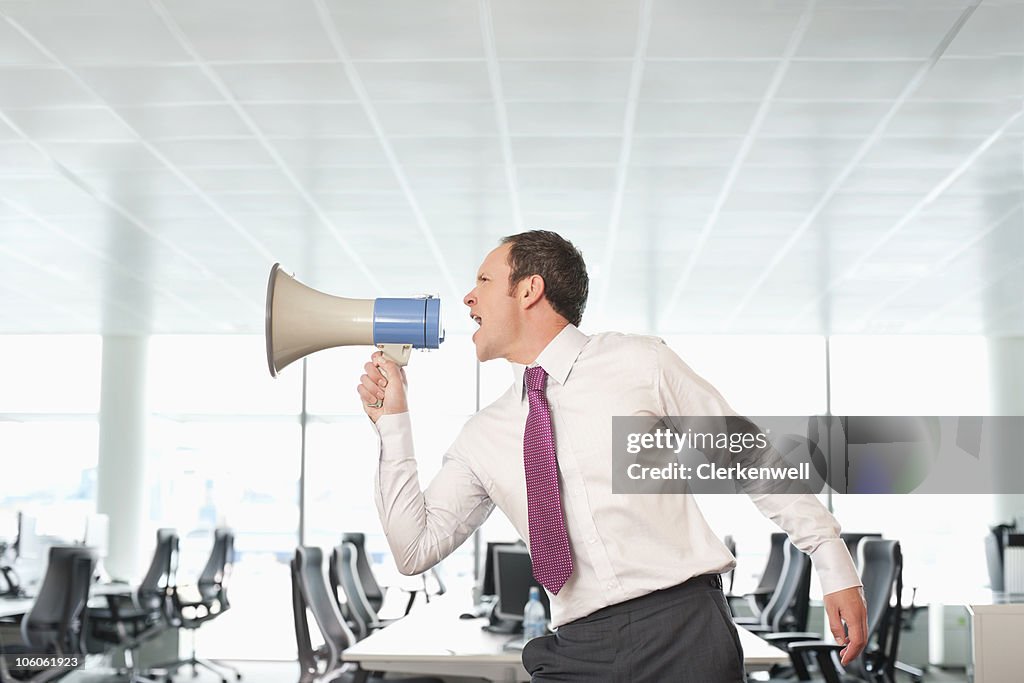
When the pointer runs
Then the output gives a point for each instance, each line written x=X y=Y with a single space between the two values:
x=122 y=457
x=1006 y=372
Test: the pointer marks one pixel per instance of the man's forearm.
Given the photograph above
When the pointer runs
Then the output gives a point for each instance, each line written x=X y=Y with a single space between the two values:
x=424 y=526
x=399 y=498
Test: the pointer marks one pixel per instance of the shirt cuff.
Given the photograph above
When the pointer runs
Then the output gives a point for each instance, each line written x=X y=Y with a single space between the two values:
x=835 y=567
x=395 y=432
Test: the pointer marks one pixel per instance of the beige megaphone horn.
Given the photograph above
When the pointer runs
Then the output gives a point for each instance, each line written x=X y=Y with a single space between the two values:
x=302 y=320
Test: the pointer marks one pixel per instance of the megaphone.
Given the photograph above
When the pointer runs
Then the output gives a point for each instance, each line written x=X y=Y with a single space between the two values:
x=302 y=320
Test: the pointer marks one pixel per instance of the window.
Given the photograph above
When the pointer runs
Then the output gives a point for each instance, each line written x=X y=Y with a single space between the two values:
x=49 y=431
x=224 y=446
x=941 y=536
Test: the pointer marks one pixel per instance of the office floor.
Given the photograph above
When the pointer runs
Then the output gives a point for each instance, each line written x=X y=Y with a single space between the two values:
x=286 y=672
x=252 y=672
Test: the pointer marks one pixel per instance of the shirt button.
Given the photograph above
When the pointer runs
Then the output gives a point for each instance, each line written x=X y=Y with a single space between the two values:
x=591 y=540
x=611 y=584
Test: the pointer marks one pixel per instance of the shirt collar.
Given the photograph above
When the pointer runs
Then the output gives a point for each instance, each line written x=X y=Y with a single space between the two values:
x=557 y=358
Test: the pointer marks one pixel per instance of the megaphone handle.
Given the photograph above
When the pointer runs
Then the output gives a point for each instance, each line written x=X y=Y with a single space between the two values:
x=397 y=353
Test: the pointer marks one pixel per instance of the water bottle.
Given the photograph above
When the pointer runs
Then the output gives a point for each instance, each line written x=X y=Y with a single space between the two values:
x=534 y=618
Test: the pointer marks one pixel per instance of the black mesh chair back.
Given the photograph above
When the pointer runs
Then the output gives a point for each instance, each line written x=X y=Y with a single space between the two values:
x=308 y=670
x=54 y=622
x=310 y=592
x=213 y=579
x=317 y=598
x=371 y=589
x=83 y=575
x=770 y=575
x=853 y=541
x=730 y=576
x=787 y=609
x=153 y=590
x=882 y=576
x=776 y=559
x=995 y=544
x=361 y=611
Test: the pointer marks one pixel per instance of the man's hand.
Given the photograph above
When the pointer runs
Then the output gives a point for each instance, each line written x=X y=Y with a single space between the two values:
x=848 y=606
x=373 y=386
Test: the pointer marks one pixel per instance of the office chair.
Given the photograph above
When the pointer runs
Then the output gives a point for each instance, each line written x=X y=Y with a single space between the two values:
x=193 y=606
x=788 y=606
x=758 y=599
x=310 y=592
x=852 y=540
x=995 y=550
x=129 y=619
x=882 y=576
x=371 y=589
x=55 y=622
x=344 y=570
x=730 y=576
x=787 y=610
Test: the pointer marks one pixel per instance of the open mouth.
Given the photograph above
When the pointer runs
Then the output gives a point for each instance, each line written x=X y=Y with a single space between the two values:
x=476 y=319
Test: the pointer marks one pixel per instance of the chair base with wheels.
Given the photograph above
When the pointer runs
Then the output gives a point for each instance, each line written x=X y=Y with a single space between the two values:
x=214 y=667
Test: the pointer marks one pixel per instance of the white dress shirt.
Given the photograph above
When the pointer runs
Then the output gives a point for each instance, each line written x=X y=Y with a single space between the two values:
x=623 y=545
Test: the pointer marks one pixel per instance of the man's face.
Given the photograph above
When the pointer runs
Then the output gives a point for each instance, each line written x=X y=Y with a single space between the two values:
x=493 y=308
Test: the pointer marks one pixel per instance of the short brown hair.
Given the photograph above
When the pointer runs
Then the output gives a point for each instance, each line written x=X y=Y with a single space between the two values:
x=558 y=262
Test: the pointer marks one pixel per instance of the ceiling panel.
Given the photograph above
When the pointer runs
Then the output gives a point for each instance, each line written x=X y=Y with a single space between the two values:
x=694 y=118
x=425 y=81
x=84 y=33
x=72 y=123
x=995 y=77
x=569 y=119
x=442 y=119
x=538 y=29
x=189 y=121
x=846 y=80
x=706 y=80
x=569 y=81
x=704 y=30
x=408 y=29
x=149 y=85
x=891 y=33
x=42 y=87
x=268 y=30
x=286 y=81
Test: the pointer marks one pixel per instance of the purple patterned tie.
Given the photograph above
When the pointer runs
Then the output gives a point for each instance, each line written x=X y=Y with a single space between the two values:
x=549 y=540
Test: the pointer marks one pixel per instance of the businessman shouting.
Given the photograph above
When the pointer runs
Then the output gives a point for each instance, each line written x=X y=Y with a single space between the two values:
x=633 y=579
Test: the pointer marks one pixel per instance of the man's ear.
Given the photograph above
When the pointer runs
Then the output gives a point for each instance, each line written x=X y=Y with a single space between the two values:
x=531 y=290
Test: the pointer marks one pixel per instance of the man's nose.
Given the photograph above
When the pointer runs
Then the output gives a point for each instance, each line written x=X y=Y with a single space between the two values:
x=469 y=299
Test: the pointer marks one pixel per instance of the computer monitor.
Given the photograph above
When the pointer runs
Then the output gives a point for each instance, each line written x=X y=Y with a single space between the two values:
x=487 y=584
x=28 y=546
x=513 y=577
x=8 y=533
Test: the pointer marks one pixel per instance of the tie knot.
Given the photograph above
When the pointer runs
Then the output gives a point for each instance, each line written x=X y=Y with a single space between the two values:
x=536 y=378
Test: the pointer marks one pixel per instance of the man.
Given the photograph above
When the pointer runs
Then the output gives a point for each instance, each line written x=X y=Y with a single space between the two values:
x=633 y=579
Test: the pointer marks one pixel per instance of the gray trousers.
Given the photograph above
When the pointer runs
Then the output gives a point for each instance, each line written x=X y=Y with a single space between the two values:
x=681 y=634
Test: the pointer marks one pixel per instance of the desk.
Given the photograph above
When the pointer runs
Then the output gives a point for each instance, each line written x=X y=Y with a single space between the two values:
x=432 y=640
x=14 y=607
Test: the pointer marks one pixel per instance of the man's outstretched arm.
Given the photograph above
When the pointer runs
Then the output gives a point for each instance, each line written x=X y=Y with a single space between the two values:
x=422 y=527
